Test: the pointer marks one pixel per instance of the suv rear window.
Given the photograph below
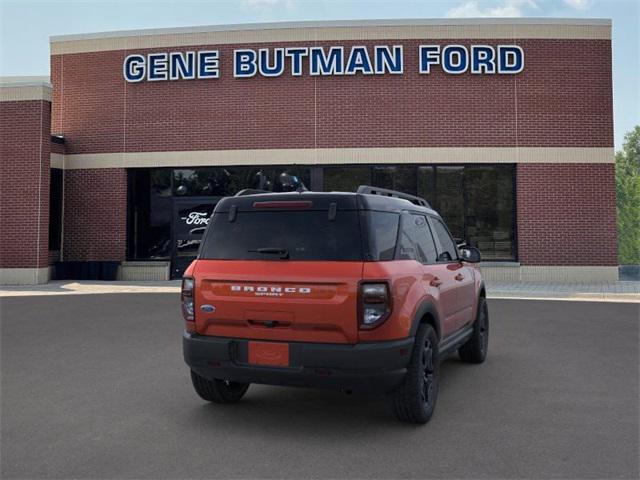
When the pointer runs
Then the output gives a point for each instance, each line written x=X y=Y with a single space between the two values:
x=303 y=235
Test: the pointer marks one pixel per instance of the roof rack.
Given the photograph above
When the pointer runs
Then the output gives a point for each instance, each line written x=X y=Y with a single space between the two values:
x=393 y=193
x=250 y=191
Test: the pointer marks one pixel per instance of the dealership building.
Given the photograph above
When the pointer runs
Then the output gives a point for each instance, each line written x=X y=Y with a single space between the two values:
x=504 y=125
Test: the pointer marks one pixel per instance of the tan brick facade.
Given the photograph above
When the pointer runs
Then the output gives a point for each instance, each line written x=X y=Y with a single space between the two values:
x=95 y=214
x=566 y=214
x=554 y=120
x=559 y=100
x=24 y=184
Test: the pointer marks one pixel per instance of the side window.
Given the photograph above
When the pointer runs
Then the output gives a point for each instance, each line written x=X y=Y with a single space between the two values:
x=416 y=242
x=384 y=232
x=448 y=251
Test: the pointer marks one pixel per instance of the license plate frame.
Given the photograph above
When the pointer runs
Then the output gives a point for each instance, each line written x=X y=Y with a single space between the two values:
x=268 y=354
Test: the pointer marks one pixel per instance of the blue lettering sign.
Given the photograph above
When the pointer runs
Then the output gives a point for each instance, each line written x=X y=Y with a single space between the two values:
x=208 y=64
x=133 y=68
x=359 y=61
x=158 y=67
x=244 y=63
x=273 y=62
x=182 y=65
x=483 y=59
x=429 y=55
x=510 y=59
x=385 y=61
x=296 y=55
x=271 y=69
x=330 y=64
x=455 y=59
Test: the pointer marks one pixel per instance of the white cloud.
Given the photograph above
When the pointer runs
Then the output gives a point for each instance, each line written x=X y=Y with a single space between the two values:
x=578 y=4
x=508 y=8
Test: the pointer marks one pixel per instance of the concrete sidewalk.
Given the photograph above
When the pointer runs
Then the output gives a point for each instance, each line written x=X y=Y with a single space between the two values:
x=593 y=292
x=589 y=292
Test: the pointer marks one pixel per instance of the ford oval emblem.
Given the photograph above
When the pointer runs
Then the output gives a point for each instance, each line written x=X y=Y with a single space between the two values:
x=208 y=308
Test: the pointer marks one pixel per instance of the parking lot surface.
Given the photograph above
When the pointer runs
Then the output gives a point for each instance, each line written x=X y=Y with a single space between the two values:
x=94 y=386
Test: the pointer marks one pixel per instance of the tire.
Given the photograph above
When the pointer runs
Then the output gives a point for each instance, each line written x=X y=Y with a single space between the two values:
x=218 y=391
x=415 y=399
x=475 y=349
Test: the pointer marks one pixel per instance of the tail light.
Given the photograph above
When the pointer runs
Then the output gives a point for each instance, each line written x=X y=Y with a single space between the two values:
x=187 y=299
x=375 y=304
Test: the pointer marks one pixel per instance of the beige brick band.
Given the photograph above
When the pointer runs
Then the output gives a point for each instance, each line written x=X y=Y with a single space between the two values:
x=337 y=156
x=25 y=93
x=24 y=276
x=549 y=273
x=334 y=31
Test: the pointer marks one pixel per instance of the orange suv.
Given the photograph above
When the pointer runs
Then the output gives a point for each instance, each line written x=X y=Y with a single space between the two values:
x=361 y=291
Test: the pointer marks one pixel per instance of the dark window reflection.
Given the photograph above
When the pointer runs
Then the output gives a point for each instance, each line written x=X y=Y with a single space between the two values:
x=400 y=177
x=226 y=181
x=55 y=208
x=149 y=232
x=187 y=248
x=476 y=201
x=346 y=178
x=450 y=199
x=489 y=210
x=427 y=184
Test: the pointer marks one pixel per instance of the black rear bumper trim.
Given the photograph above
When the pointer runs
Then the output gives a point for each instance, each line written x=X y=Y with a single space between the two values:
x=372 y=366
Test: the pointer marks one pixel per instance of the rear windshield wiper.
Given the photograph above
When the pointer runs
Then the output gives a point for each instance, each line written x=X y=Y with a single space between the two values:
x=283 y=252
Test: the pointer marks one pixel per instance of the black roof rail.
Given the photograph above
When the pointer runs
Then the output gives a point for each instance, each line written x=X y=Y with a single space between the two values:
x=250 y=191
x=393 y=193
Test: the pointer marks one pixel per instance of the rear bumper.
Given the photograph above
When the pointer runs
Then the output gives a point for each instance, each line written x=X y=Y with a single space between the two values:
x=364 y=367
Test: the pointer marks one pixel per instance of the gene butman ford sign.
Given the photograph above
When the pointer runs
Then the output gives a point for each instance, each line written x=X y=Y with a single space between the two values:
x=327 y=61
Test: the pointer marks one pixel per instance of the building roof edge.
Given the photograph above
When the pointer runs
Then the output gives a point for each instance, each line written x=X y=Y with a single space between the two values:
x=333 y=24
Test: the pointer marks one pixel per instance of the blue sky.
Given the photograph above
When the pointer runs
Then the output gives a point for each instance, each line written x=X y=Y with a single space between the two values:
x=25 y=26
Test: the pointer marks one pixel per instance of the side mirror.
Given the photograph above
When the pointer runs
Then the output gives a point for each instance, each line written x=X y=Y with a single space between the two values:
x=470 y=254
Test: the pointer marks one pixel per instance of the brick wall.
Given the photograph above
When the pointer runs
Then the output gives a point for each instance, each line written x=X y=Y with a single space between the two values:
x=562 y=98
x=57 y=148
x=24 y=183
x=566 y=214
x=95 y=214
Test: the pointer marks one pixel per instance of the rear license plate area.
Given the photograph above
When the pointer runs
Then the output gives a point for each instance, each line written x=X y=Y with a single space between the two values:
x=268 y=354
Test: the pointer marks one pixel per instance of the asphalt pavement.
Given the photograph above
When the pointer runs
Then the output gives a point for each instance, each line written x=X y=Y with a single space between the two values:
x=94 y=386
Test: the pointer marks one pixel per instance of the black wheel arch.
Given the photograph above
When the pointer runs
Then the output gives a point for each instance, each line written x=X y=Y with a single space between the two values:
x=426 y=313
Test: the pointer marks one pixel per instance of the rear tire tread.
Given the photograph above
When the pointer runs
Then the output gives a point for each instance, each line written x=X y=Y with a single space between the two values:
x=406 y=401
x=218 y=391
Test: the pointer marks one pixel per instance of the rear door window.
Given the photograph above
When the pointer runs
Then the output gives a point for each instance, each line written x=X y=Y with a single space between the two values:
x=278 y=235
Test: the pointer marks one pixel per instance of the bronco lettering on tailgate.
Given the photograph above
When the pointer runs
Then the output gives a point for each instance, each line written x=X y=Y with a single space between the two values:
x=269 y=291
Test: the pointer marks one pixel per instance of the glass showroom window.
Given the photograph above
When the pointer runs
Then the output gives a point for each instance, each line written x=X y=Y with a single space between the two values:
x=55 y=209
x=490 y=210
x=149 y=214
x=346 y=178
x=476 y=201
x=225 y=181
x=153 y=193
x=449 y=199
x=396 y=177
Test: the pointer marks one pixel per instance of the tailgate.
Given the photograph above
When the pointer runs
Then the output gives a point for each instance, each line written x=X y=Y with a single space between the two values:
x=303 y=301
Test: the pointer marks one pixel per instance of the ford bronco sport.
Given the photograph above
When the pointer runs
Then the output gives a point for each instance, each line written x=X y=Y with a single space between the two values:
x=361 y=291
